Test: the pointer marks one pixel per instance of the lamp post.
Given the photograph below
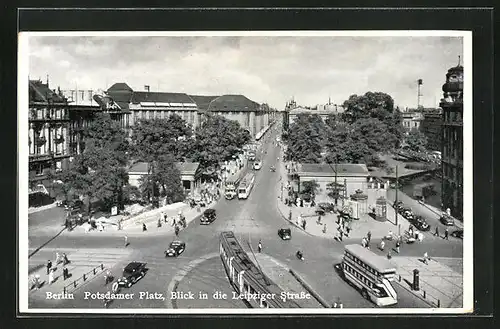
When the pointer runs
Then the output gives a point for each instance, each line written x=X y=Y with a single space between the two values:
x=397 y=187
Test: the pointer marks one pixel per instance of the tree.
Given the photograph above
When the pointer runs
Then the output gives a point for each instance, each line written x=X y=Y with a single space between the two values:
x=153 y=137
x=217 y=140
x=306 y=138
x=309 y=189
x=416 y=141
x=372 y=104
x=99 y=171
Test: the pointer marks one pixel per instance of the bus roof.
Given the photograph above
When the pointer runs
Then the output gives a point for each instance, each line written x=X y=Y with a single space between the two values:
x=379 y=263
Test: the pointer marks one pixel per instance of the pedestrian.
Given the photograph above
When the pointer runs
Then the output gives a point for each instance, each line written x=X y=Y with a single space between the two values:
x=65 y=273
x=176 y=230
x=369 y=236
x=382 y=245
x=259 y=246
x=144 y=228
x=446 y=234
x=65 y=259
x=398 y=244
x=319 y=220
x=426 y=258
x=324 y=228
x=126 y=240
x=58 y=258
x=51 y=276
x=159 y=223
x=363 y=242
x=389 y=255
x=49 y=266
x=304 y=224
x=436 y=231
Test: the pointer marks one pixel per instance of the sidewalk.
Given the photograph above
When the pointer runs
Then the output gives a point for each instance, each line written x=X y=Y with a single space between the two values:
x=280 y=275
x=91 y=262
x=359 y=228
x=439 y=283
x=133 y=225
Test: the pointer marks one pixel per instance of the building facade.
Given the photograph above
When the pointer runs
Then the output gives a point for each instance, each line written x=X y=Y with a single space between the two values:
x=431 y=127
x=323 y=114
x=411 y=120
x=188 y=172
x=452 y=142
x=49 y=124
x=252 y=116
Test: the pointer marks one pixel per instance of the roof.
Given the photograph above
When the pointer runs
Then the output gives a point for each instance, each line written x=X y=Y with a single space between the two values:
x=233 y=103
x=144 y=96
x=379 y=263
x=325 y=169
x=186 y=168
x=202 y=101
x=133 y=265
x=40 y=92
x=120 y=87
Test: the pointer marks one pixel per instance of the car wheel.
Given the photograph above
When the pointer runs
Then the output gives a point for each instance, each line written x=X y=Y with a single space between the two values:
x=364 y=293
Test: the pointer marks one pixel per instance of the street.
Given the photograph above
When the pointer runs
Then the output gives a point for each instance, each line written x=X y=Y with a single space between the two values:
x=254 y=219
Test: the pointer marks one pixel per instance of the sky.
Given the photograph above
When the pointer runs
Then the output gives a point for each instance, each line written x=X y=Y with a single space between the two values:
x=266 y=69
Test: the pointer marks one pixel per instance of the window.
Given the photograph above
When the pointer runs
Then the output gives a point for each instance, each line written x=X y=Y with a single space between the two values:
x=58 y=165
x=39 y=170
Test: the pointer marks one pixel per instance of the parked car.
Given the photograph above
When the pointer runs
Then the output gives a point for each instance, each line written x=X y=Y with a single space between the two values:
x=208 y=217
x=420 y=223
x=285 y=233
x=132 y=273
x=319 y=211
x=326 y=206
x=459 y=234
x=447 y=220
x=398 y=205
x=175 y=248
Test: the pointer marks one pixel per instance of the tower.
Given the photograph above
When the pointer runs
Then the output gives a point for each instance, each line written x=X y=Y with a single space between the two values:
x=452 y=141
x=419 y=94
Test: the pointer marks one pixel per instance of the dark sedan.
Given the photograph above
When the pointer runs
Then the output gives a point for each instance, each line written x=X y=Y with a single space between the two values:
x=175 y=249
x=420 y=224
x=447 y=220
x=285 y=233
x=459 y=234
x=208 y=217
x=132 y=273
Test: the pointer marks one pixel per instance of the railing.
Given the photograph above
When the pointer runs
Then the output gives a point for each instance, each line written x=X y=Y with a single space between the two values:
x=83 y=278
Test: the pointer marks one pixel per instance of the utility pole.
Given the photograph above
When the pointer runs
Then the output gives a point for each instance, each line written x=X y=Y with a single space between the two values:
x=397 y=187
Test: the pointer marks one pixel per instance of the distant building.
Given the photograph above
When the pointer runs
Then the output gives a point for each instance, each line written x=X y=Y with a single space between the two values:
x=324 y=112
x=188 y=174
x=431 y=127
x=411 y=120
x=452 y=141
x=81 y=97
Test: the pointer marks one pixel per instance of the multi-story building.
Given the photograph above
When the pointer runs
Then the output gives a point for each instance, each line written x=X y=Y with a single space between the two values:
x=148 y=105
x=452 y=141
x=431 y=127
x=332 y=109
x=49 y=123
x=411 y=120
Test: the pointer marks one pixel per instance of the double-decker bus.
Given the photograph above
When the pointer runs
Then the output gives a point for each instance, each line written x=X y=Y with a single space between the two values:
x=370 y=273
x=246 y=186
x=231 y=185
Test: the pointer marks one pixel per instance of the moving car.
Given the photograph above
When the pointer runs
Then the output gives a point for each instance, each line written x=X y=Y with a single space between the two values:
x=175 y=248
x=459 y=234
x=132 y=273
x=257 y=165
x=447 y=220
x=420 y=224
x=285 y=233
x=208 y=217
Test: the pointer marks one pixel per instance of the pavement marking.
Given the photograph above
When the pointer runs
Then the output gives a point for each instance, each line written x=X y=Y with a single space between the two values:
x=172 y=286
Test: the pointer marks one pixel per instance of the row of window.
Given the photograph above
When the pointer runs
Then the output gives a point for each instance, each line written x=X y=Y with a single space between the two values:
x=362 y=264
x=188 y=116
x=42 y=114
x=380 y=293
x=38 y=168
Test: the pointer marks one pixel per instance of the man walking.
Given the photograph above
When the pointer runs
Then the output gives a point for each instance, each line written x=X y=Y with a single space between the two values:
x=436 y=231
x=446 y=234
x=259 y=246
x=398 y=244
x=369 y=237
x=126 y=240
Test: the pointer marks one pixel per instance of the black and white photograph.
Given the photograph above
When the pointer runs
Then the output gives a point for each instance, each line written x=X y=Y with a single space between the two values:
x=286 y=172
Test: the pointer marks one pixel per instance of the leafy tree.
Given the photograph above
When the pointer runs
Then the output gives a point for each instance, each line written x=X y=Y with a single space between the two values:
x=217 y=140
x=416 y=141
x=335 y=190
x=310 y=187
x=372 y=104
x=99 y=171
x=306 y=138
x=153 y=137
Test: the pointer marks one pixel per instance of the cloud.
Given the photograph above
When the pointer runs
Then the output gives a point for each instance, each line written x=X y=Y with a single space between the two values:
x=265 y=69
